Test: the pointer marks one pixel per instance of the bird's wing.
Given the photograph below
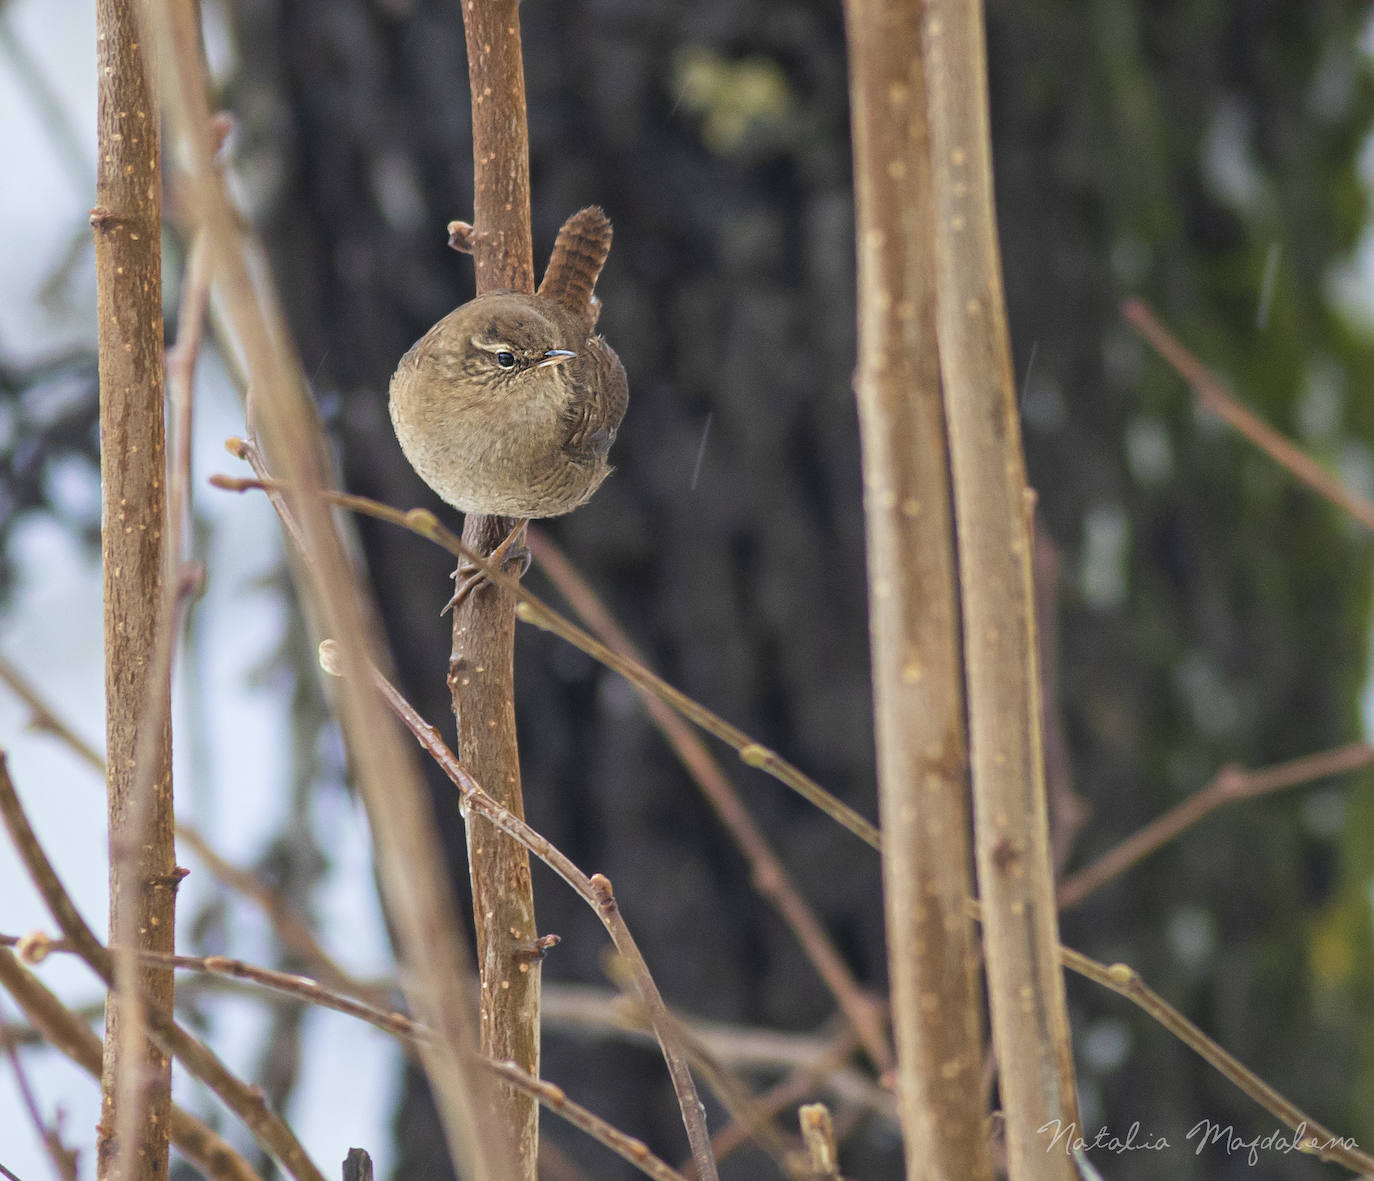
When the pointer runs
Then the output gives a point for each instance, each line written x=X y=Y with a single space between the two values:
x=592 y=419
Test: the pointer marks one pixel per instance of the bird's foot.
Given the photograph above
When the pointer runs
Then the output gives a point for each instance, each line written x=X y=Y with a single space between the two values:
x=511 y=552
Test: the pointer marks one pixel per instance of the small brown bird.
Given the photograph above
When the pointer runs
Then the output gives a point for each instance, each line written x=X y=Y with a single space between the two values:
x=509 y=404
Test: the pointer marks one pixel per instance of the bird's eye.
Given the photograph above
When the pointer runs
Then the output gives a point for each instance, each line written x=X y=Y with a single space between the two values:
x=505 y=360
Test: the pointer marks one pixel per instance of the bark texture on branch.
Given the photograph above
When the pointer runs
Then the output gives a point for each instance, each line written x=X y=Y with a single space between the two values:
x=127 y=222
x=993 y=507
x=481 y=670
x=913 y=612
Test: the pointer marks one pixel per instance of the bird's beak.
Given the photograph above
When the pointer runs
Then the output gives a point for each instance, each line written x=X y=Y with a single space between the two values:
x=555 y=357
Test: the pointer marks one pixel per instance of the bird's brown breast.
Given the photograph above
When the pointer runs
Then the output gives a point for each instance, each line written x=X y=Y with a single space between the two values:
x=528 y=438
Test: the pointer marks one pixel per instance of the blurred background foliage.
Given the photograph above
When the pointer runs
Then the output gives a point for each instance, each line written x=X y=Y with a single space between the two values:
x=1211 y=158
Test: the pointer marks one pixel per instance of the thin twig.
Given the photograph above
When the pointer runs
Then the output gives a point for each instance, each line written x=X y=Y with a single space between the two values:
x=799 y=1085
x=70 y=1033
x=293 y=932
x=533 y=610
x=397 y=1024
x=181 y=374
x=36 y=947
x=63 y=1158
x=746 y=1110
x=767 y=872
x=43 y=718
x=556 y=1100
x=813 y=1061
x=1229 y=785
x=302 y=987
x=594 y=890
x=717 y=1073
x=246 y=1102
x=1068 y=810
x=1222 y=403
x=751 y=753
x=1316 y=1139
x=822 y=1058
x=664 y=1025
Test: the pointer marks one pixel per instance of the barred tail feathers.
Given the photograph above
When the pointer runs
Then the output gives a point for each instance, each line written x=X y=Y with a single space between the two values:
x=579 y=253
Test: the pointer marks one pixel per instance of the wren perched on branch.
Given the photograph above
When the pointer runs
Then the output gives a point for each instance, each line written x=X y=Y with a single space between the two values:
x=509 y=404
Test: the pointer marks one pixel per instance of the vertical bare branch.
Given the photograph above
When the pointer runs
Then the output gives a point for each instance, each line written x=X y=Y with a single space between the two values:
x=481 y=670
x=414 y=883
x=993 y=510
x=917 y=674
x=502 y=245
x=127 y=220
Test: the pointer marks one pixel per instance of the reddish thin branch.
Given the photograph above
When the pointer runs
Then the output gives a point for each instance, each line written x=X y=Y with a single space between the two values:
x=246 y=1102
x=769 y=875
x=799 y=1085
x=70 y=1033
x=556 y=1100
x=1222 y=403
x=63 y=1029
x=531 y=609
x=1230 y=785
x=289 y=927
x=62 y=1158
x=42 y=717
x=664 y=1027
x=294 y=933
x=1315 y=1138
x=594 y=890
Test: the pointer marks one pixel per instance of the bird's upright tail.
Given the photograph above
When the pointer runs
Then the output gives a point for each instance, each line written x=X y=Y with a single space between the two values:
x=578 y=256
